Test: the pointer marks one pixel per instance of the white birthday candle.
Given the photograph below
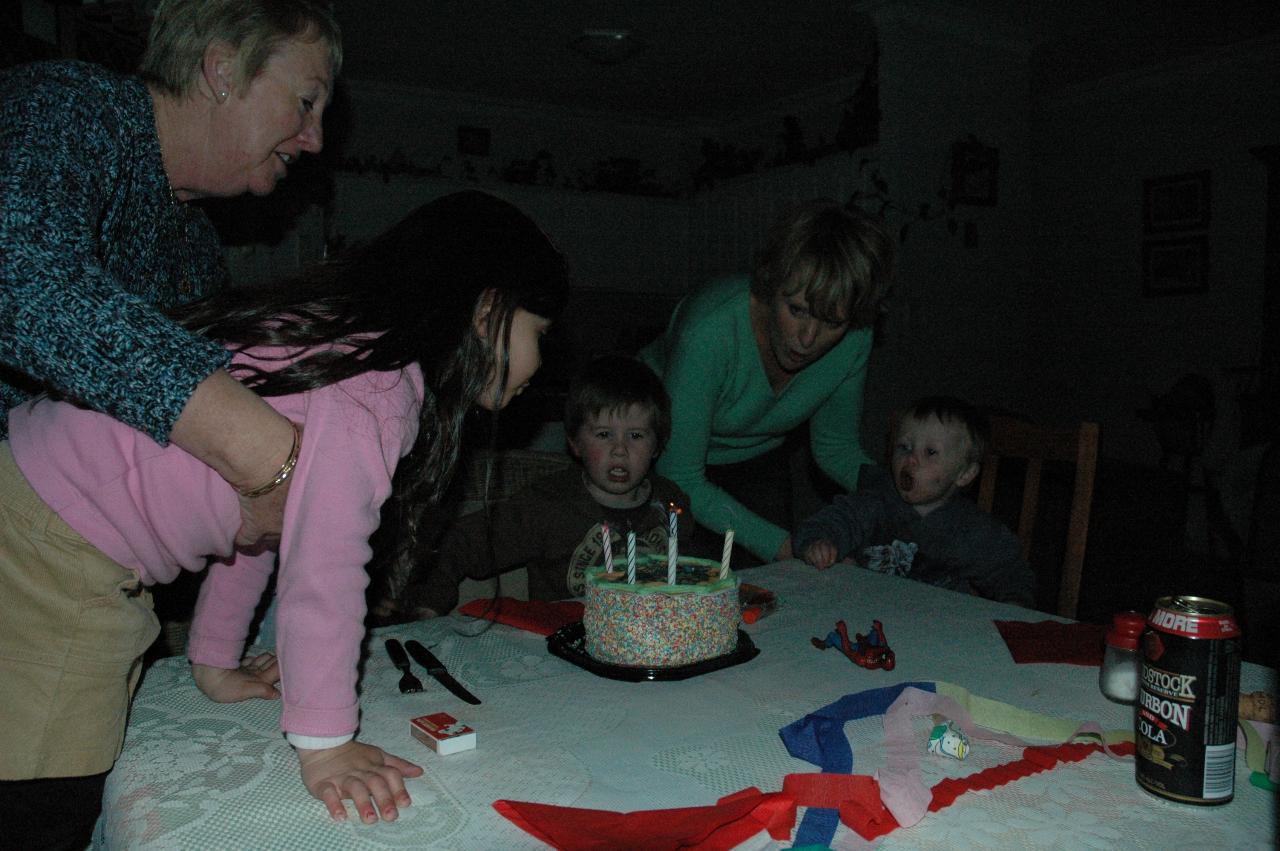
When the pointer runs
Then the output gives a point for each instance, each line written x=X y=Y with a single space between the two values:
x=607 y=541
x=672 y=538
x=724 y=557
x=631 y=557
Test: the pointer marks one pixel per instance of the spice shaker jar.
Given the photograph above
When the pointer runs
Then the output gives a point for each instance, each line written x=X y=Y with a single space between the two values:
x=1118 y=677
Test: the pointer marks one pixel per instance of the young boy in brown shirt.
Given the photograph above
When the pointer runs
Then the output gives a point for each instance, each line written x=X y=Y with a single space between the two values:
x=617 y=420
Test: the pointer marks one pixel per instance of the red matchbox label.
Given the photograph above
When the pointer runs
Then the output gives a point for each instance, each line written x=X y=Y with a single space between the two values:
x=443 y=733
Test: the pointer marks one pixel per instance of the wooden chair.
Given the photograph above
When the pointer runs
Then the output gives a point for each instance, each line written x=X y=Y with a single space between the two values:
x=484 y=475
x=500 y=476
x=1078 y=445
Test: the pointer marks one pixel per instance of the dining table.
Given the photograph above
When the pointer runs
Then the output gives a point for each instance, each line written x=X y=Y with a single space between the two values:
x=550 y=732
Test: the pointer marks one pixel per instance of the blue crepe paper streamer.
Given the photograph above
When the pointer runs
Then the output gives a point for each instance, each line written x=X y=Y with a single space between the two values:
x=818 y=738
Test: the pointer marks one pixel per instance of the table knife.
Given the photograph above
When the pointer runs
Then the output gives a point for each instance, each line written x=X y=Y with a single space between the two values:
x=435 y=668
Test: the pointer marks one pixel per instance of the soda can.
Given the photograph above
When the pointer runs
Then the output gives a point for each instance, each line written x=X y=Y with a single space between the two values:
x=1188 y=697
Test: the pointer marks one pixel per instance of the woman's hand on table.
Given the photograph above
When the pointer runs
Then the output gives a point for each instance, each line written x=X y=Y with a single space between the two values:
x=256 y=677
x=368 y=776
x=821 y=554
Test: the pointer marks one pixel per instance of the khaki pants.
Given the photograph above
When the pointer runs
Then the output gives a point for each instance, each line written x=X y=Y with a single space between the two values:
x=73 y=627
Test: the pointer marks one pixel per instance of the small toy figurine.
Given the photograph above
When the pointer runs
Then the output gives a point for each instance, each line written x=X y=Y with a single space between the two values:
x=946 y=740
x=869 y=651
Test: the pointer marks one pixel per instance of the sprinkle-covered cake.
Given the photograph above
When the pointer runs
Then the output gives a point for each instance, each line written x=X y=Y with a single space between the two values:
x=653 y=624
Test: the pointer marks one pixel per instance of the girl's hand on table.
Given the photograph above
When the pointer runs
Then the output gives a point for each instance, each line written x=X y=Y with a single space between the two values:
x=368 y=776
x=256 y=677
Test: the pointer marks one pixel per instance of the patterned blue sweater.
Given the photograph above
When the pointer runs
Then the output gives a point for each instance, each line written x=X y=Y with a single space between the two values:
x=92 y=247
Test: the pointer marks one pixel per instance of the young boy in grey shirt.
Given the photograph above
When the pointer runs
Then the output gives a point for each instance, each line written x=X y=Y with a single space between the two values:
x=909 y=523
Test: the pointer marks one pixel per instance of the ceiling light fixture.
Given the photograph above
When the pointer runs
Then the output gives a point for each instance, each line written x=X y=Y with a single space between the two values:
x=607 y=46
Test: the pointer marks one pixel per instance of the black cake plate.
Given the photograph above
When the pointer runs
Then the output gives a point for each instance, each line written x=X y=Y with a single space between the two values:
x=569 y=641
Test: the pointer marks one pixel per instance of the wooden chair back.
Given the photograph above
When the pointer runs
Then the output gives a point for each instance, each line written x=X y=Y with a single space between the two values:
x=499 y=476
x=1075 y=445
x=502 y=474
x=484 y=475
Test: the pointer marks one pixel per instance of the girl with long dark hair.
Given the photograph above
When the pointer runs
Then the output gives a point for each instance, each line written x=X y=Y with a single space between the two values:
x=375 y=356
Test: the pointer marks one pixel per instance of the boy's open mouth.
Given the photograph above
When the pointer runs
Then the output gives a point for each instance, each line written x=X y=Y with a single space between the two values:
x=906 y=481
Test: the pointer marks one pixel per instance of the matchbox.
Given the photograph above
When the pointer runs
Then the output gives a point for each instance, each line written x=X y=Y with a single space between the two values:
x=443 y=733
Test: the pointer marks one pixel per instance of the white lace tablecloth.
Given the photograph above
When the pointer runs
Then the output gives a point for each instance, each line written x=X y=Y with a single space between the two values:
x=198 y=775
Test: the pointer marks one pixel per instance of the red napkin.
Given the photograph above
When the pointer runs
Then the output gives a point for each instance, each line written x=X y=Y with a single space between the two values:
x=537 y=616
x=1050 y=641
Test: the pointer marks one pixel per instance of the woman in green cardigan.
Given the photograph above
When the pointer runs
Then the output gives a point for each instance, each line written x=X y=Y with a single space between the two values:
x=749 y=360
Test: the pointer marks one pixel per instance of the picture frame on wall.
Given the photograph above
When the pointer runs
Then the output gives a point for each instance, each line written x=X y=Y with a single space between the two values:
x=1175 y=266
x=1177 y=202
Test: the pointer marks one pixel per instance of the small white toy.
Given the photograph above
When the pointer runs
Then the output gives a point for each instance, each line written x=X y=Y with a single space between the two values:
x=946 y=740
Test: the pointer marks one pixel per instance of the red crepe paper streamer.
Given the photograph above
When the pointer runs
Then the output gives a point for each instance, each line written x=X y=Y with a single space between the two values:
x=736 y=818
x=1034 y=760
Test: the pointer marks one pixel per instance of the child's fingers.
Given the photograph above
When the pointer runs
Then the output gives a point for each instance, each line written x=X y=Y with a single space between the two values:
x=270 y=674
x=332 y=799
x=261 y=663
x=266 y=691
x=370 y=778
x=358 y=792
x=264 y=669
x=386 y=786
x=247 y=688
x=406 y=768
x=394 y=770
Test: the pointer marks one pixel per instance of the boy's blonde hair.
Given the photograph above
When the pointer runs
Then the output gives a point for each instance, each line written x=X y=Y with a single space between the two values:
x=949 y=409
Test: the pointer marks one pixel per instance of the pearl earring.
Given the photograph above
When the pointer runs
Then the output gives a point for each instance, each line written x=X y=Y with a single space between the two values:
x=222 y=96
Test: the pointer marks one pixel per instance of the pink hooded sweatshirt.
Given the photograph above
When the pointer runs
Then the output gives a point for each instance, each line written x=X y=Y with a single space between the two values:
x=157 y=510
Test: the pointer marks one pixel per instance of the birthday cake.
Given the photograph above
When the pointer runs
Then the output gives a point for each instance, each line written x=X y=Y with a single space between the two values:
x=650 y=623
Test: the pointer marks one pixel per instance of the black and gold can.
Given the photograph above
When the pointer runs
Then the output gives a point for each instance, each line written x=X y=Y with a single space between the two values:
x=1188 y=697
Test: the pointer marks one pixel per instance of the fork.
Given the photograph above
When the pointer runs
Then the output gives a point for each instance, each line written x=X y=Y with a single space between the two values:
x=409 y=684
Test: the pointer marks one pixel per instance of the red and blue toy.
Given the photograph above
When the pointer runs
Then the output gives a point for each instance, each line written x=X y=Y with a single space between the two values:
x=869 y=651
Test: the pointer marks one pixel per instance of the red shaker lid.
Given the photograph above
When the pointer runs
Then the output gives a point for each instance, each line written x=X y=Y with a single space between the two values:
x=1126 y=628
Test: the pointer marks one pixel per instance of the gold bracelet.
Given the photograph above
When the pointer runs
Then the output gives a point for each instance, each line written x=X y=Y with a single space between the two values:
x=286 y=469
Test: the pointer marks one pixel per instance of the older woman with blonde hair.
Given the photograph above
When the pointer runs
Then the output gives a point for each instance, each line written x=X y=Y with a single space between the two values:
x=750 y=360
x=97 y=240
